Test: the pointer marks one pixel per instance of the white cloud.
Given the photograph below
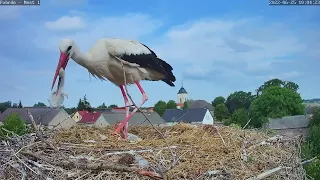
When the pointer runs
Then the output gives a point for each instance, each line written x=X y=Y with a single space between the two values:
x=252 y=44
x=66 y=23
x=129 y=26
x=209 y=47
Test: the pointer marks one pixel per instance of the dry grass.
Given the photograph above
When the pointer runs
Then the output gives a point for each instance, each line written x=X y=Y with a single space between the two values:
x=199 y=151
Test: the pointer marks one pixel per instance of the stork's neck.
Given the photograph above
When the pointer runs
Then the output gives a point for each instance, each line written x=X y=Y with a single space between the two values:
x=81 y=58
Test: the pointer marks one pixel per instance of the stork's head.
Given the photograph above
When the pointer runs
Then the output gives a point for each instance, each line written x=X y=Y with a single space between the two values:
x=66 y=51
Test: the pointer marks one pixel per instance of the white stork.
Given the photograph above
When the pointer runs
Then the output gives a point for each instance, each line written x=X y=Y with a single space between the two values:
x=107 y=59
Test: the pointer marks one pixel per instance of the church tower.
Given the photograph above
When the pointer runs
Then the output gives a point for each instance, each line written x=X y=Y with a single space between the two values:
x=182 y=97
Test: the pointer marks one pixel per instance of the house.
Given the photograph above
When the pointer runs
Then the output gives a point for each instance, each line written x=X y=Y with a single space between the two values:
x=290 y=125
x=200 y=104
x=138 y=118
x=194 y=116
x=182 y=97
x=92 y=119
x=78 y=115
x=52 y=118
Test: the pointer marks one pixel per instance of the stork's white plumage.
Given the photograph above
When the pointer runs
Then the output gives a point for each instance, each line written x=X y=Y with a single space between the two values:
x=108 y=58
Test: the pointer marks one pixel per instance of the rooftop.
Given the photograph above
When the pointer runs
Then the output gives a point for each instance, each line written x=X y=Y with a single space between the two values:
x=138 y=118
x=41 y=115
x=89 y=117
x=182 y=91
x=188 y=115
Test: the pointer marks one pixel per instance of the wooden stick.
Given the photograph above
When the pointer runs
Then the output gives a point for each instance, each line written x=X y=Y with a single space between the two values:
x=135 y=151
x=38 y=133
x=266 y=173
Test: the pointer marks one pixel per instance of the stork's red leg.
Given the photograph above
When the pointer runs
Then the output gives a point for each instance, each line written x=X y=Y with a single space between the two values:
x=127 y=106
x=144 y=95
x=144 y=99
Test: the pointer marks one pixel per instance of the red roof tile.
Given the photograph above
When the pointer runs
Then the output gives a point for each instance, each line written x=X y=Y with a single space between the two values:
x=88 y=117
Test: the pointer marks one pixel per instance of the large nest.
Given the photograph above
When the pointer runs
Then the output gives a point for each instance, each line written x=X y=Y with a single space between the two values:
x=182 y=151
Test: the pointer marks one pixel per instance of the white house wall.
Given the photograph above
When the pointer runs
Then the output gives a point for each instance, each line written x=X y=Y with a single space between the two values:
x=76 y=117
x=182 y=98
x=207 y=119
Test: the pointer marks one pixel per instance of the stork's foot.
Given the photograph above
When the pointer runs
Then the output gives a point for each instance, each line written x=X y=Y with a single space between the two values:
x=118 y=131
x=144 y=99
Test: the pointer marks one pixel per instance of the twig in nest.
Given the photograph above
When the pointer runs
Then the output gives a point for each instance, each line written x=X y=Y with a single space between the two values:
x=267 y=173
x=246 y=124
x=38 y=133
x=308 y=161
x=224 y=143
x=244 y=154
x=11 y=132
x=135 y=151
x=25 y=164
x=95 y=166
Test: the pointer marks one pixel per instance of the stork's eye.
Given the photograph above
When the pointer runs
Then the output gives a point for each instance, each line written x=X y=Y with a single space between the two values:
x=69 y=48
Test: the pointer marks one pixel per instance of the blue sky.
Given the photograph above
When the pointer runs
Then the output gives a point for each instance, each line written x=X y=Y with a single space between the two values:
x=215 y=47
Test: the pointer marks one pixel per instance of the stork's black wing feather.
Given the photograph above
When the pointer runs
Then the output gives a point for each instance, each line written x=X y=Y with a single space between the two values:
x=150 y=60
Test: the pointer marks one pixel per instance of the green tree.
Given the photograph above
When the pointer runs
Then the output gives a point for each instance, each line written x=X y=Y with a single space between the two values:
x=14 y=105
x=240 y=117
x=314 y=139
x=311 y=149
x=14 y=123
x=291 y=85
x=315 y=120
x=185 y=105
x=5 y=105
x=20 y=104
x=279 y=83
x=239 y=99
x=160 y=107
x=275 y=102
x=70 y=110
x=221 y=112
x=112 y=106
x=103 y=105
x=39 y=104
x=218 y=100
x=83 y=104
x=171 y=104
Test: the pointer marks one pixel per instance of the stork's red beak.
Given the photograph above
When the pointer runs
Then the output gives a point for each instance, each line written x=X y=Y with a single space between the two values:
x=63 y=61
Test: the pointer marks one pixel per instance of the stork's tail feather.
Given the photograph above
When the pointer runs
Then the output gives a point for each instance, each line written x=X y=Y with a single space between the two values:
x=170 y=78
